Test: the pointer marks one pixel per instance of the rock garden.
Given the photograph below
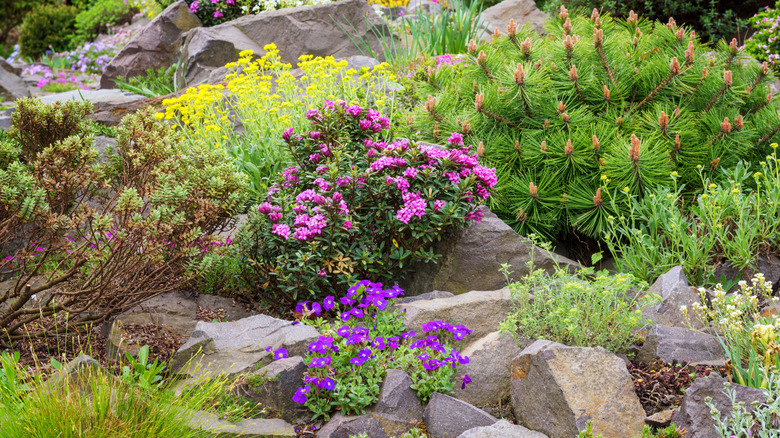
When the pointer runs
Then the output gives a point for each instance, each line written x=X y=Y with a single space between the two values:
x=393 y=218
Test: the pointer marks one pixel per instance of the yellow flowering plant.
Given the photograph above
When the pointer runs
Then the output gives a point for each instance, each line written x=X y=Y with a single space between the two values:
x=263 y=96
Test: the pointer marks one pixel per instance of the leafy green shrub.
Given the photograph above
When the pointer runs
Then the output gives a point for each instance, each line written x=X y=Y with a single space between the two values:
x=348 y=363
x=37 y=126
x=578 y=309
x=764 y=45
x=47 y=27
x=357 y=207
x=712 y=20
x=732 y=223
x=596 y=106
x=100 y=16
x=153 y=83
x=104 y=236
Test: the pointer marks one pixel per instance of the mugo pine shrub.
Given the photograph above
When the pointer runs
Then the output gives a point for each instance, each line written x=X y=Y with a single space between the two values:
x=357 y=207
x=598 y=105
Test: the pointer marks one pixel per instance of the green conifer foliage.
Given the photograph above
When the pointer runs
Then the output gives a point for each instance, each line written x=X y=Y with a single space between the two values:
x=597 y=107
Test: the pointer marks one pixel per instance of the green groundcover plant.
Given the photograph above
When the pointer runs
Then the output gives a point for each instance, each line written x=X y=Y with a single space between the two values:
x=355 y=206
x=365 y=338
x=599 y=104
x=735 y=222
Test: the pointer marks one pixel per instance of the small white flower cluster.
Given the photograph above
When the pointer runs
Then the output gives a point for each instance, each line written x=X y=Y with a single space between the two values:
x=270 y=5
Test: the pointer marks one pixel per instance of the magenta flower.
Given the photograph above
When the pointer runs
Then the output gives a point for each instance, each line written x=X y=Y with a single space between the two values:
x=466 y=380
x=300 y=394
x=217 y=14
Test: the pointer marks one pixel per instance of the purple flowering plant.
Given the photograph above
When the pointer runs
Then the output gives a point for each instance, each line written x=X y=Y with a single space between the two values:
x=764 y=45
x=355 y=206
x=362 y=337
x=214 y=12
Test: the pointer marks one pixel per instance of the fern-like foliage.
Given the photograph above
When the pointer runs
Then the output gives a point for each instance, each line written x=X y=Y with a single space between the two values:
x=598 y=105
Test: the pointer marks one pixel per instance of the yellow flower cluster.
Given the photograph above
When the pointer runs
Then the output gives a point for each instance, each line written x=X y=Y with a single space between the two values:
x=266 y=97
x=148 y=8
x=389 y=3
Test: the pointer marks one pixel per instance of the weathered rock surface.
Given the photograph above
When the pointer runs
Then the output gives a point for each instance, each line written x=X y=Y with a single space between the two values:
x=398 y=409
x=768 y=265
x=274 y=386
x=480 y=311
x=433 y=295
x=156 y=46
x=503 y=429
x=449 y=417
x=557 y=389
x=677 y=343
x=250 y=428
x=675 y=292
x=101 y=99
x=522 y=11
x=305 y=30
x=240 y=346
x=11 y=86
x=488 y=368
x=694 y=415
x=471 y=259
x=340 y=426
x=660 y=419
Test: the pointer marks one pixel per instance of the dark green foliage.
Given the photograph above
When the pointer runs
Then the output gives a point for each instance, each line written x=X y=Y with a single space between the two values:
x=598 y=106
x=101 y=16
x=712 y=20
x=48 y=27
x=13 y=14
x=37 y=126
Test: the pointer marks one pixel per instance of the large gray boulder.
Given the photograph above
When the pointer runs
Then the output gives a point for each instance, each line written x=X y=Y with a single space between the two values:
x=684 y=345
x=305 y=30
x=213 y=426
x=503 y=429
x=240 y=346
x=398 y=409
x=557 y=389
x=480 y=311
x=156 y=46
x=12 y=87
x=488 y=368
x=694 y=415
x=471 y=259
x=522 y=11
x=675 y=293
x=447 y=417
x=340 y=426
x=273 y=387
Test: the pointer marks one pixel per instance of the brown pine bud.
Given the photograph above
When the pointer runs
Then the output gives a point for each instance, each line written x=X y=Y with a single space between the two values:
x=573 y=73
x=620 y=121
x=544 y=146
x=568 y=149
x=636 y=41
x=769 y=97
x=725 y=126
x=748 y=89
x=466 y=127
x=565 y=118
x=764 y=68
x=546 y=124
x=672 y=25
x=496 y=34
x=680 y=34
x=511 y=28
x=712 y=62
x=677 y=143
x=689 y=54
x=739 y=123
x=481 y=149
x=576 y=38
x=517 y=147
x=693 y=34
x=521 y=216
x=674 y=67
x=568 y=43
x=430 y=104
x=633 y=18
x=478 y=99
x=561 y=106
x=676 y=112
x=567 y=25
x=436 y=131
x=594 y=15
x=628 y=55
x=704 y=73
x=597 y=201
x=633 y=151
x=727 y=77
x=538 y=65
x=481 y=58
x=714 y=163
x=733 y=45
x=596 y=144
x=533 y=189
x=601 y=162
x=564 y=14
x=472 y=47
x=663 y=122
x=519 y=74
x=598 y=37
x=607 y=93
x=525 y=47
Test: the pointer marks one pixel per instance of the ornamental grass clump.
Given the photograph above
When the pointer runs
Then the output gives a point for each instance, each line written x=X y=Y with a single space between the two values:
x=355 y=206
x=598 y=105
x=365 y=338
x=265 y=97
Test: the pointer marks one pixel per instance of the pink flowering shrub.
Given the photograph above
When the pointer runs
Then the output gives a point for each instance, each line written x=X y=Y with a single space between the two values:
x=357 y=207
x=764 y=45
x=214 y=12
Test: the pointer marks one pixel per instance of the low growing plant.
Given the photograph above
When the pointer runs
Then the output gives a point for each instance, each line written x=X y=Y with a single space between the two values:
x=578 y=309
x=100 y=16
x=47 y=27
x=355 y=206
x=348 y=363
x=760 y=422
x=597 y=105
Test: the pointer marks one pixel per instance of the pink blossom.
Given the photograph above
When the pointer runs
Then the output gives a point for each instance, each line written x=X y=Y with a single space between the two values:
x=455 y=139
x=281 y=230
x=217 y=14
